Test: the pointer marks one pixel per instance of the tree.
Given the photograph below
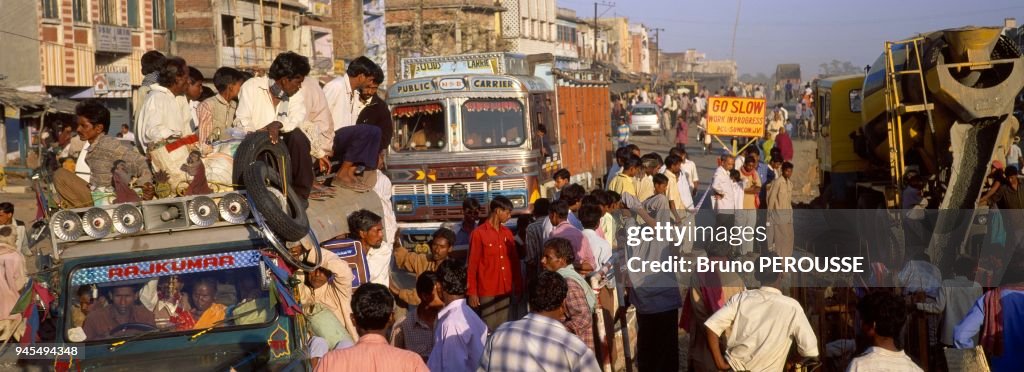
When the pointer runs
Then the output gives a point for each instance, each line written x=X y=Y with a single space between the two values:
x=837 y=67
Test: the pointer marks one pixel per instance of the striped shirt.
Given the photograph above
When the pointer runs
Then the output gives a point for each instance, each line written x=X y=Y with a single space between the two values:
x=371 y=353
x=536 y=343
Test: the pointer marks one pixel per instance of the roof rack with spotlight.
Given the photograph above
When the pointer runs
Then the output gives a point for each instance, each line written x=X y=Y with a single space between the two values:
x=115 y=221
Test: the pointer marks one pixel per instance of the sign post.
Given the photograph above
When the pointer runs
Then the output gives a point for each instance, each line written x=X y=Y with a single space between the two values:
x=736 y=117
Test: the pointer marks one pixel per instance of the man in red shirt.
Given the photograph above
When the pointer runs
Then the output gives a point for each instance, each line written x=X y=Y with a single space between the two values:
x=494 y=275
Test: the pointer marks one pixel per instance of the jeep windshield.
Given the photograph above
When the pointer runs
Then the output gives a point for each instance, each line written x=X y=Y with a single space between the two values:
x=420 y=127
x=167 y=296
x=490 y=124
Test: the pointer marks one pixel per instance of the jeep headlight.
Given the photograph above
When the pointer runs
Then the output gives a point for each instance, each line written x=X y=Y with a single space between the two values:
x=518 y=201
x=403 y=206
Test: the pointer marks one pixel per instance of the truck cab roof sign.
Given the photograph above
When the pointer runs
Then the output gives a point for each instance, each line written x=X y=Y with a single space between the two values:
x=157 y=268
x=483 y=63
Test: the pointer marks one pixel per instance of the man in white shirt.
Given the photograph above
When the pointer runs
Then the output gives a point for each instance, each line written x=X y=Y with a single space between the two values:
x=882 y=315
x=126 y=134
x=368 y=228
x=679 y=195
x=163 y=122
x=355 y=146
x=721 y=184
x=764 y=323
x=275 y=104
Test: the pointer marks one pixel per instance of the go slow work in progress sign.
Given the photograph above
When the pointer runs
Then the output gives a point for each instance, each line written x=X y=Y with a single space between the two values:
x=736 y=117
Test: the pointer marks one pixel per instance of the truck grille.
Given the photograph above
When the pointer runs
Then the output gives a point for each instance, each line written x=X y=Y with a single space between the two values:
x=512 y=184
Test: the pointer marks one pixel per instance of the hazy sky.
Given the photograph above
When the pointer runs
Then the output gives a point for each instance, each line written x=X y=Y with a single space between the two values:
x=808 y=32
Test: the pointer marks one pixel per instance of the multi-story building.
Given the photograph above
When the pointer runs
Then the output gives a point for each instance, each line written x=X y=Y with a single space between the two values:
x=588 y=47
x=529 y=25
x=91 y=48
x=441 y=27
x=567 y=45
x=693 y=65
x=620 y=43
x=375 y=33
x=249 y=34
x=641 y=53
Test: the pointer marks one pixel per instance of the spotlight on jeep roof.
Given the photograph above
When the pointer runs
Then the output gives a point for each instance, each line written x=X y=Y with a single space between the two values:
x=97 y=223
x=66 y=225
x=127 y=219
x=202 y=211
x=233 y=208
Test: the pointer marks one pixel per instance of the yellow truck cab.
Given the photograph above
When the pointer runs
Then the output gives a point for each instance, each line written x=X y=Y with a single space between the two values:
x=839 y=103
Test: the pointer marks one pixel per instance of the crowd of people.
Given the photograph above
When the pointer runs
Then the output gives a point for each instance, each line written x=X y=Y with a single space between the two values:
x=184 y=135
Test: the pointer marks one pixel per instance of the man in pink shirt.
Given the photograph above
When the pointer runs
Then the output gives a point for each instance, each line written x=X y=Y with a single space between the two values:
x=372 y=312
x=559 y=216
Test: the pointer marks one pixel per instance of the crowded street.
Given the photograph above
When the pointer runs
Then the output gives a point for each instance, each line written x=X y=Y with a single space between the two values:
x=521 y=186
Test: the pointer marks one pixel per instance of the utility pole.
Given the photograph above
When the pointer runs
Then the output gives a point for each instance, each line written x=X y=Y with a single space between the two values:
x=657 y=50
x=601 y=3
x=732 y=55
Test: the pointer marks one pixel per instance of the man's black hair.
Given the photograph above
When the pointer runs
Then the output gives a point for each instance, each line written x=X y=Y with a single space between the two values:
x=672 y=160
x=885 y=311
x=616 y=197
x=560 y=208
x=622 y=153
x=83 y=289
x=633 y=148
x=152 y=61
x=561 y=174
x=787 y=165
x=632 y=161
x=547 y=292
x=541 y=128
x=195 y=75
x=541 y=207
x=452 y=276
x=660 y=179
x=172 y=68
x=775 y=159
x=590 y=216
x=965 y=266
x=604 y=197
x=563 y=249
x=425 y=282
x=361 y=66
x=1012 y=171
x=444 y=233
x=734 y=175
x=572 y=194
x=225 y=77
x=589 y=200
x=470 y=203
x=7 y=207
x=205 y=93
x=767 y=276
x=361 y=220
x=289 y=65
x=94 y=111
x=372 y=306
x=500 y=202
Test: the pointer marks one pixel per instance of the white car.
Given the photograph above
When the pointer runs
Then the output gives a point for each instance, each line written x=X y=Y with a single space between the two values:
x=645 y=118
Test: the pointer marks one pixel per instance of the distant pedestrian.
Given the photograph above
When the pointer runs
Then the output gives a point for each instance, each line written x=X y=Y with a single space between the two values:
x=780 y=212
x=682 y=131
x=622 y=133
x=785 y=144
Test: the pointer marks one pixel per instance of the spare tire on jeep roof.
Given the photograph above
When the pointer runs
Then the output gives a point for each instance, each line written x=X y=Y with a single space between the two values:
x=288 y=221
x=257 y=146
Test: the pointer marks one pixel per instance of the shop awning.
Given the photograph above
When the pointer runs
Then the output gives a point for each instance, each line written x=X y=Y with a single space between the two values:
x=34 y=101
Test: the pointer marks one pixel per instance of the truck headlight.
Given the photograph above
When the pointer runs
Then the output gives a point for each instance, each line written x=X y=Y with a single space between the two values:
x=518 y=201
x=403 y=206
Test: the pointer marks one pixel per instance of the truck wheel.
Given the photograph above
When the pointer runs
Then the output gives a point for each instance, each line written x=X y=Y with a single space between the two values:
x=257 y=146
x=284 y=214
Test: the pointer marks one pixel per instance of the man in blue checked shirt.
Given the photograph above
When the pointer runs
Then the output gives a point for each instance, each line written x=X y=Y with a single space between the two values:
x=539 y=342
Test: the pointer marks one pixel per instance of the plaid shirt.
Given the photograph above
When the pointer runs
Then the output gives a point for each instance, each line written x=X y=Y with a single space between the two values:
x=536 y=343
x=101 y=157
x=578 y=318
x=416 y=335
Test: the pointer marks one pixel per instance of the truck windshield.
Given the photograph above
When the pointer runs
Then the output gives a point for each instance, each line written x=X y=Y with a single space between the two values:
x=221 y=290
x=489 y=124
x=420 y=127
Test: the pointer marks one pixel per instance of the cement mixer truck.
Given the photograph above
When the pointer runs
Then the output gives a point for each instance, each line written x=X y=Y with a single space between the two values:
x=936 y=106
